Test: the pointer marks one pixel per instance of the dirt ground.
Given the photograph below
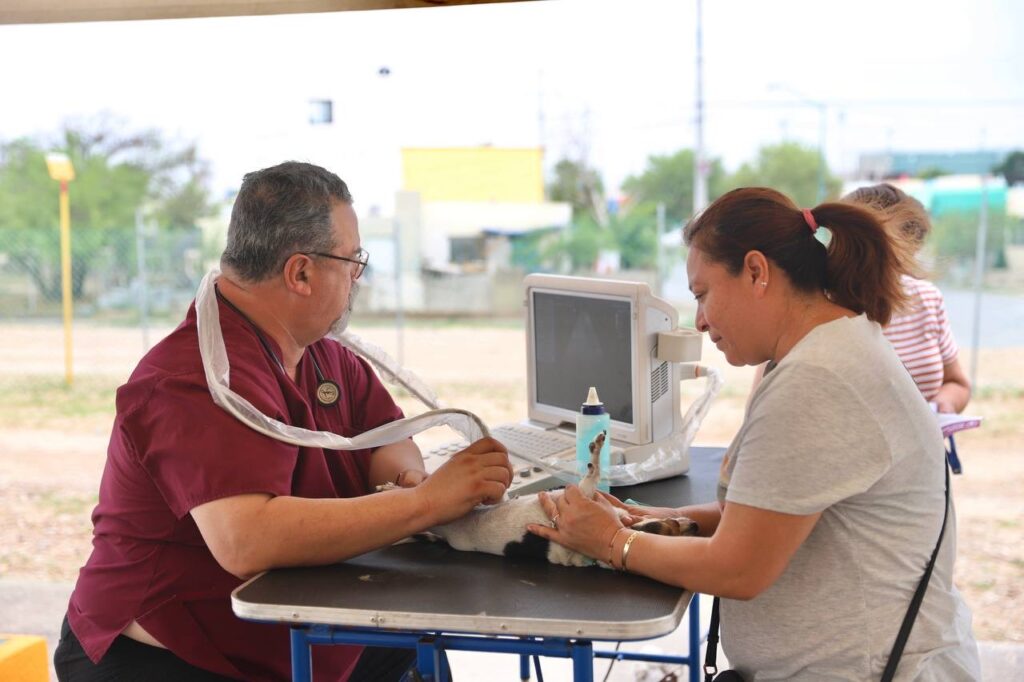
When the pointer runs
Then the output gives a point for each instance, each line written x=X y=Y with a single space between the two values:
x=53 y=443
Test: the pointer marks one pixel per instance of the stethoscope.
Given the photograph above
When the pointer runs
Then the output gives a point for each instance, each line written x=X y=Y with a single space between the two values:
x=327 y=392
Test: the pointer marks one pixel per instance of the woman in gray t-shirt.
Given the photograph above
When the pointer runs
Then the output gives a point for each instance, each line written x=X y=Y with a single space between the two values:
x=832 y=493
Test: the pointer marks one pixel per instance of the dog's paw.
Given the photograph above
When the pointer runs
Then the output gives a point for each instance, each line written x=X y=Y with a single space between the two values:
x=677 y=526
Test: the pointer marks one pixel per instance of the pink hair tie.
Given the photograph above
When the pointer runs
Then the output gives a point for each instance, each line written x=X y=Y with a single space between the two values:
x=809 y=219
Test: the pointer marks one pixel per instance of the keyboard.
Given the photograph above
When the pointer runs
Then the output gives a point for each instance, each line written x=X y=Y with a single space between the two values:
x=534 y=443
x=526 y=446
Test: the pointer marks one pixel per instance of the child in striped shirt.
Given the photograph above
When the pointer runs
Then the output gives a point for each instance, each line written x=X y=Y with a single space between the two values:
x=920 y=333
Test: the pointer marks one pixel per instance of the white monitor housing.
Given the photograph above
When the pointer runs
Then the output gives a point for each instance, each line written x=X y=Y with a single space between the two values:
x=584 y=332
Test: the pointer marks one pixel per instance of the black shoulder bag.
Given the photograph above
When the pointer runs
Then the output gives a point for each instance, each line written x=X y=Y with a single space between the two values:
x=711 y=656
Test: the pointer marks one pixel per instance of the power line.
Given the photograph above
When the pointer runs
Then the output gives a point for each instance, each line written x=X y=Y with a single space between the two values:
x=875 y=103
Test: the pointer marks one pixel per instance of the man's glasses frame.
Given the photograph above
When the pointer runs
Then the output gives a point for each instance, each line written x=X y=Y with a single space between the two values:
x=361 y=259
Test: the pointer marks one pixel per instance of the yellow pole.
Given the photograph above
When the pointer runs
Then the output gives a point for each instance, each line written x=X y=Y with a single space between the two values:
x=65 y=274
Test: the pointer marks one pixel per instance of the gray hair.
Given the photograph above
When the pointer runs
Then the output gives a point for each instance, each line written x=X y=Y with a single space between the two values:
x=280 y=211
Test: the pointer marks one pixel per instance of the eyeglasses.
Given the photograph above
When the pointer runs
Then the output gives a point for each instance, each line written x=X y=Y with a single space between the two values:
x=362 y=257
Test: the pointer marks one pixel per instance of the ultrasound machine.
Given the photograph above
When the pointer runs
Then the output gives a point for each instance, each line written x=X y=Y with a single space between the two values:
x=582 y=332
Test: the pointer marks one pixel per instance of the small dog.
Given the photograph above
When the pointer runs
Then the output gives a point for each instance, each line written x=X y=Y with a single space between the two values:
x=501 y=528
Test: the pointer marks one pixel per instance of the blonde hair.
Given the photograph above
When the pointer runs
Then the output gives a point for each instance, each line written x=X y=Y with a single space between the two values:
x=899 y=212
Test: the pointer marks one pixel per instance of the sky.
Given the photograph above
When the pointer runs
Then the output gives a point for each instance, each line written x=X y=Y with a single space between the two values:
x=610 y=82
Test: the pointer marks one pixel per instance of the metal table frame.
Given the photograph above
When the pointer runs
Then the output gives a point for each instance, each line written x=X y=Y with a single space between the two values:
x=432 y=664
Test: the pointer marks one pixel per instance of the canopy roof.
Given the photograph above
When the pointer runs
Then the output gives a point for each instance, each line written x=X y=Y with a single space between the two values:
x=53 y=11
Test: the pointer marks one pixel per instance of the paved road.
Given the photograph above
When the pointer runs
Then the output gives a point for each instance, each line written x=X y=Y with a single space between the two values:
x=1002 y=318
x=1002 y=315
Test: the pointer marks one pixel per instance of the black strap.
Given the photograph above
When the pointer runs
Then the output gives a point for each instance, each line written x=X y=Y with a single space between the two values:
x=915 y=603
x=952 y=456
x=711 y=655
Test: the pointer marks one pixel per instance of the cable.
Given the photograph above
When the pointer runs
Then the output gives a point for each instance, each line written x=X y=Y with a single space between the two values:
x=609 y=672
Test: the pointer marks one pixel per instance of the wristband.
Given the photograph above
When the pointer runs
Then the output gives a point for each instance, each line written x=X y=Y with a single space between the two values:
x=611 y=546
x=625 y=548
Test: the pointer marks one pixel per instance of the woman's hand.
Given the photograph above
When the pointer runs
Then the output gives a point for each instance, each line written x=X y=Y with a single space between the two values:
x=581 y=524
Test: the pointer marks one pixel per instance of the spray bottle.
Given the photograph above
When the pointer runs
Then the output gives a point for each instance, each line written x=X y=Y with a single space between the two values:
x=591 y=421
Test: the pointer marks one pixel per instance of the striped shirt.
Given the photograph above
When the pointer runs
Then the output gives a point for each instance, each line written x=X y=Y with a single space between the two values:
x=922 y=336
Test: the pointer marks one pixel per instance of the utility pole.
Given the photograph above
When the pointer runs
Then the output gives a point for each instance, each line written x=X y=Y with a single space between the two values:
x=540 y=113
x=396 y=236
x=822 y=129
x=660 y=249
x=700 y=170
x=822 y=108
x=979 y=276
x=140 y=260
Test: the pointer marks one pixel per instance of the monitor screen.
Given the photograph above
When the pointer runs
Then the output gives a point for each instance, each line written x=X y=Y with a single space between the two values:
x=582 y=341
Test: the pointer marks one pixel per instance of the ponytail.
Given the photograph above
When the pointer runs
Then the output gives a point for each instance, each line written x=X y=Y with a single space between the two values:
x=864 y=263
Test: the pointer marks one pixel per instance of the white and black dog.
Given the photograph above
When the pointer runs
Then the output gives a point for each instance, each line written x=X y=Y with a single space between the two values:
x=501 y=528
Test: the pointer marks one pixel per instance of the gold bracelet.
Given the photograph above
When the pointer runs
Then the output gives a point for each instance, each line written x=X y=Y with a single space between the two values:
x=625 y=548
x=611 y=545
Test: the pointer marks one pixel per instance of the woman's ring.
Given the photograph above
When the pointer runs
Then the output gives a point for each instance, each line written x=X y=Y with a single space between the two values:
x=554 y=521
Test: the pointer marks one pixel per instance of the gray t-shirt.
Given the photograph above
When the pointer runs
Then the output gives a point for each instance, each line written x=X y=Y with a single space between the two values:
x=839 y=427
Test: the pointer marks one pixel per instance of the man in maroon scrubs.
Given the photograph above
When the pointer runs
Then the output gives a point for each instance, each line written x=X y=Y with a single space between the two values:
x=193 y=501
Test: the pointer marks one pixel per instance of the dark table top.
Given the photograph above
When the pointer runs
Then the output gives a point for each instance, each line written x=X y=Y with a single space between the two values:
x=431 y=587
x=698 y=486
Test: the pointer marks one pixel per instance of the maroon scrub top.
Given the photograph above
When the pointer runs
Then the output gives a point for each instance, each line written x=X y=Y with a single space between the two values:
x=173 y=449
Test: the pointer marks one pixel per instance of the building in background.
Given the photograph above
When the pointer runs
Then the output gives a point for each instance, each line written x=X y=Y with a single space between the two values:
x=878 y=166
x=453 y=235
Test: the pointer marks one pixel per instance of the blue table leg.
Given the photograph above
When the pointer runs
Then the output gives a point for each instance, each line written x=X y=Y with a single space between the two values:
x=694 y=654
x=432 y=660
x=426 y=659
x=444 y=670
x=302 y=664
x=583 y=661
x=524 y=667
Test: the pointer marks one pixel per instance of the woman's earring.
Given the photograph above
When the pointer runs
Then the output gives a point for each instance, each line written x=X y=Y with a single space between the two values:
x=764 y=284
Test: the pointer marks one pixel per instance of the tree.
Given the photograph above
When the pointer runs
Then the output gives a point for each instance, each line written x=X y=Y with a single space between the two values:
x=954 y=236
x=116 y=174
x=636 y=237
x=1012 y=168
x=669 y=180
x=790 y=168
x=580 y=244
x=931 y=172
x=581 y=186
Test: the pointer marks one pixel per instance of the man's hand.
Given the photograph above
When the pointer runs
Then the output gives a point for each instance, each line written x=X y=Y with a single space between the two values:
x=480 y=474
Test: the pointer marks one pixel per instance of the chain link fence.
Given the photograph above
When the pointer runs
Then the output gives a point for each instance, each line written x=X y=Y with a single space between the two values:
x=116 y=274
